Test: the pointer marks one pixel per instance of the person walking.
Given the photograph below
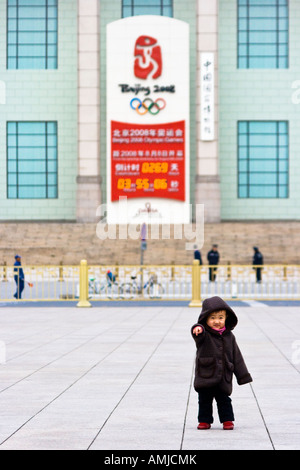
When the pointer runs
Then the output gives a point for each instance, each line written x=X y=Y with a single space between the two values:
x=258 y=260
x=213 y=257
x=18 y=277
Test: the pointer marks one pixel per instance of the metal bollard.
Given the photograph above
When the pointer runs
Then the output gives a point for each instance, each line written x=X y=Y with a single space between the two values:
x=4 y=279
x=196 y=285
x=228 y=270
x=61 y=271
x=83 y=285
x=173 y=270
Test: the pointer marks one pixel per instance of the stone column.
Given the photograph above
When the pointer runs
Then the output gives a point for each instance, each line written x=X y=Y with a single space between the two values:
x=207 y=190
x=88 y=179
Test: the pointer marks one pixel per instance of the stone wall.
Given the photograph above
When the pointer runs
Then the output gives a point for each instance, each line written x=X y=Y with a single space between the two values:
x=51 y=243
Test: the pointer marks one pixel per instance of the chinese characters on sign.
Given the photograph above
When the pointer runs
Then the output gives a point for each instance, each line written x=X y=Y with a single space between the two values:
x=207 y=95
x=148 y=160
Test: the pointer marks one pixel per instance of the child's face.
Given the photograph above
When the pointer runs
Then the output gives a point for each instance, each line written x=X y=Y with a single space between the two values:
x=217 y=319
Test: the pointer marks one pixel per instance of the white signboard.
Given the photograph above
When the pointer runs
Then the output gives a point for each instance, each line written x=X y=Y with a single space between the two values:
x=148 y=120
x=207 y=98
x=2 y=92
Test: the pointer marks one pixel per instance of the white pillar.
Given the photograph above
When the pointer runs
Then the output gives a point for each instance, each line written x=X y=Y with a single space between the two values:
x=88 y=179
x=207 y=190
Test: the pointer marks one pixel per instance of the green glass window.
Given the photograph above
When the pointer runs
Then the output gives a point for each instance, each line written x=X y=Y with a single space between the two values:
x=263 y=159
x=263 y=30
x=32 y=34
x=147 y=7
x=31 y=160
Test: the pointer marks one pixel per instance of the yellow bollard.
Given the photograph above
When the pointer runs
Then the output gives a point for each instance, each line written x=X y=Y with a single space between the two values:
x=61 y=272
x=228 y=271
x=83 y=285
x=196 y=285
x=4 y=272
x=173 y=270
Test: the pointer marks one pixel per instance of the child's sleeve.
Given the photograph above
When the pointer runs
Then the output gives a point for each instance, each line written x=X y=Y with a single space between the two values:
x=198 y=339
x=240 y=369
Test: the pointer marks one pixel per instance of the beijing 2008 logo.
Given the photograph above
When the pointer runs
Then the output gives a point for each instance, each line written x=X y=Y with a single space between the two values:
x=148 y=60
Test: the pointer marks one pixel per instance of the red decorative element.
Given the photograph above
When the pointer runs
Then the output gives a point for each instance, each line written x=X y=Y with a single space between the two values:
x=148 y=58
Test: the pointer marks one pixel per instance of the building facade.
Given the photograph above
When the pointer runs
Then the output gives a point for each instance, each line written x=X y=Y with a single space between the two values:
x=53 y=106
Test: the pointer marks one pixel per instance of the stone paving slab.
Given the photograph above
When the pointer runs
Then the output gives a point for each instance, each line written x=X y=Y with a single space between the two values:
x=120 y=378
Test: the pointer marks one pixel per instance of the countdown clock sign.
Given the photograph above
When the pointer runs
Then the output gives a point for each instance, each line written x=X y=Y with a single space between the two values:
x=148 y=120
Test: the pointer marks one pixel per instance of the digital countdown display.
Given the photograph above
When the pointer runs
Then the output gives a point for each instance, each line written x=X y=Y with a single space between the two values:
x=148 y=160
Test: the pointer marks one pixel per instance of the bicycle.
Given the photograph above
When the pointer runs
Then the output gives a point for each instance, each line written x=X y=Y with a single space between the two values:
x=151 y=288
x=108 y=288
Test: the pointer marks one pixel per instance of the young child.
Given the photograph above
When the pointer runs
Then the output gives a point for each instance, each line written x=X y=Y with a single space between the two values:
x=217 y=358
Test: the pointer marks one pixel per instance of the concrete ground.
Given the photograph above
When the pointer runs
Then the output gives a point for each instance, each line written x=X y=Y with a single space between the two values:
x=121 y=378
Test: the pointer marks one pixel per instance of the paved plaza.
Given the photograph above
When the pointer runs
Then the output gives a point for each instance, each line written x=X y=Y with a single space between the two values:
x=117 y=377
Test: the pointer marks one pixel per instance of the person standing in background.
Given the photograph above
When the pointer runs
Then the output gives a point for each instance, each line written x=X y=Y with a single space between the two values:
x=213 y=257
x=197 y=255
x=18 y=277
x=258 y=260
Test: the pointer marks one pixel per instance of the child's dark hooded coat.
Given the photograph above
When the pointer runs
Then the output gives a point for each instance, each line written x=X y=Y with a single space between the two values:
x=218 y=356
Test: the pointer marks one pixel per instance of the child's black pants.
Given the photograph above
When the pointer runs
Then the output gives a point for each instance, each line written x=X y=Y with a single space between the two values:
x=205 y=400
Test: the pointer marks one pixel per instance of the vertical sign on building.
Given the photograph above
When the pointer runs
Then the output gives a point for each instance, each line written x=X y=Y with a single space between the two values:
x=148 y=120
x=2 y=92
x=207 y=96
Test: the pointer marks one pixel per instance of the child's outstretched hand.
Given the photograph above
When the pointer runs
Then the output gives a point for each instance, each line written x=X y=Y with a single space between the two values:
x=197 y=330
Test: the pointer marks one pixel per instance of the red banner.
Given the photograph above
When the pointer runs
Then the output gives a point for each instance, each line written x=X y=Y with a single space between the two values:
x=148 y=160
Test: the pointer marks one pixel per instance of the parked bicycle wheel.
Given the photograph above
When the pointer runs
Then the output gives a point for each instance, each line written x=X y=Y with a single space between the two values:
x=114 y=291
x=94 y=287
x=155 y=291
x=128 y=290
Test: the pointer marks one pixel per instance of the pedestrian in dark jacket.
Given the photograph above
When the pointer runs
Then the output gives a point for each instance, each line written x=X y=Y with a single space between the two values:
x=258 y=260
x=197 y=254
x=18 y=277
x=213 y=257
x=218 y=357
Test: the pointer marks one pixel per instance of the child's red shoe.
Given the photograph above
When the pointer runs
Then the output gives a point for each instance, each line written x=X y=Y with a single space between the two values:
x=203 y=426
x=228 y=425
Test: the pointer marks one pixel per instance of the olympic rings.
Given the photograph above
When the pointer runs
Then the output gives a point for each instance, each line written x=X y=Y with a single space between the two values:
x=142 y=107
